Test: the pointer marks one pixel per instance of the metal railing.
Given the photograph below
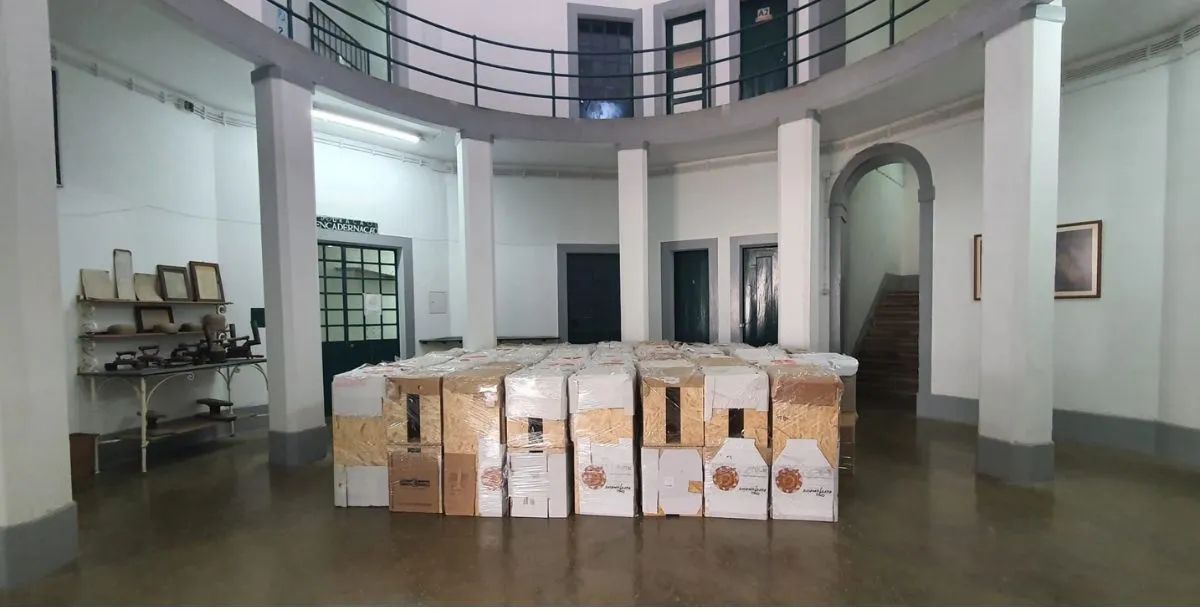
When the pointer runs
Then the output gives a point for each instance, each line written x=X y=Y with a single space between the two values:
x=350 y=51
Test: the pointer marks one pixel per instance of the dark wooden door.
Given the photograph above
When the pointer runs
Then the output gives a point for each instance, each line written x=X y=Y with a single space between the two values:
x=593 y=297
x=764 y=48
x=691 y=296
x=760 y=317
x=359 y=308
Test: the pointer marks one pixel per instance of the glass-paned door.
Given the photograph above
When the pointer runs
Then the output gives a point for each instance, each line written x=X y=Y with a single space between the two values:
x=360 y=308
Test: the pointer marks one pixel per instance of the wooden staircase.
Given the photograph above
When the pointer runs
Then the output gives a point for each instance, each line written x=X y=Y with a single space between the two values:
x=888 y=354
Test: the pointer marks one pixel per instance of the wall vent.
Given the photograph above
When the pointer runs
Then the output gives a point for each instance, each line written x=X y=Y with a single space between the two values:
x=1191 y=32
x=1164 y=46
x=1112 y=62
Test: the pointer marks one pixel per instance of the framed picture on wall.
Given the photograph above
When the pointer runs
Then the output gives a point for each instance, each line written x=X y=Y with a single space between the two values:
x=977 y=265
x=1077 y=260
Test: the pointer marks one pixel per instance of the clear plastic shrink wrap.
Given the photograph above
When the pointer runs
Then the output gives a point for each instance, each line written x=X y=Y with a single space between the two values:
x=737 y=452
x=672 y=394
x=845 y=367
x=473 y=435
x=603 y=413
x=805 y=403
x=360 y=429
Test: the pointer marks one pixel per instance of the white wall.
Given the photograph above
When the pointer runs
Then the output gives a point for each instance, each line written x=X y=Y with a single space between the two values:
x=1127 y=142
x=876 y=13
x=877 y=212
x=696 y=203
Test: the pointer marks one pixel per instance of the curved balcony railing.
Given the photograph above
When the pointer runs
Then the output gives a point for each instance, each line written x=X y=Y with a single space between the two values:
x=326 y=35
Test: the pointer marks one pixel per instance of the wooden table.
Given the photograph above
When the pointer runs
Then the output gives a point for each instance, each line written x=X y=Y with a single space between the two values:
x=137 y=379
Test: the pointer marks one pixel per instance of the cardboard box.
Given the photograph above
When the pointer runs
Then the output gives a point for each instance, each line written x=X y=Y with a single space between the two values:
x=605 y=478
x=672 y=405
x=736 y=405
x=805 y=402
x=413 y=408
x=536 y=405
x=360 y=486
x=538 y=482
x=415 y=479
x=760 y=355
x=705 y=361
x=736 y=480
x=672 y=482
x=474 y=483
x=473 y=408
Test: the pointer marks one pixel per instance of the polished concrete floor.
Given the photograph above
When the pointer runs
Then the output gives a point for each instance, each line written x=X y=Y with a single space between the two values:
x=221 y=527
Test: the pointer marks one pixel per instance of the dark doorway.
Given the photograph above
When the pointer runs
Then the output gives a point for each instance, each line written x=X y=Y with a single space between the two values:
x=764 y=48
x=593 y=297
x=760 y=316
x=360 y=309
x=691 y=296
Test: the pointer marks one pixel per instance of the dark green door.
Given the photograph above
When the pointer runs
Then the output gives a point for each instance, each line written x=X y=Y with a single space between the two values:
x=360 y=312
x=760 y=317
x=593 y=297
x=691 y=296
x=764 y=49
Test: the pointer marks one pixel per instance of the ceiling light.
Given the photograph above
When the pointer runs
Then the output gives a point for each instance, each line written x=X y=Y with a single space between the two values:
x=323 y=115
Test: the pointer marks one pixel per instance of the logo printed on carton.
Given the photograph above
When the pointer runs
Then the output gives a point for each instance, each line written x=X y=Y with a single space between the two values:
x=593 y=476
x=492 y=479
x=726 y=478
x=788 y=480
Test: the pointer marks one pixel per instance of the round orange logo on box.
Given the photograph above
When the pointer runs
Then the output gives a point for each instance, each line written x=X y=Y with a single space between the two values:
x=492 y=479
x=726 y=478
x=593 y=476
x=788 y=480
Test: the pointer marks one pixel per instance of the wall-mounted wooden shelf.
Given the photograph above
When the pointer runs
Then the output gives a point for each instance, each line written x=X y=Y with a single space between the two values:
x=140 y=303
x=135 y=336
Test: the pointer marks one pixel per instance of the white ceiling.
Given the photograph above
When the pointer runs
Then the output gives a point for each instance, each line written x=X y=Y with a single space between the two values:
x=131 y=35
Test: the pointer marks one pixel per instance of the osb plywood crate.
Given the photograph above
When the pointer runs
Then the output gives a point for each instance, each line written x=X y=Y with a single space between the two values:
x=532 y=433
x=536 y=405
x=805 y=403
x=736 y=402
x=672 y=404
x=604 y=430
x=473 y=407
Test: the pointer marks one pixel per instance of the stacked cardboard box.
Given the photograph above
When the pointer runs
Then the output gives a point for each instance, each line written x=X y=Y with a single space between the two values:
x=762 y=355
x=736 y=442
x=360 y=429
x=805 y=404
x=672 y=392
x=535 y=409
x=473 y=434
x=604 y=432
x=846 y=368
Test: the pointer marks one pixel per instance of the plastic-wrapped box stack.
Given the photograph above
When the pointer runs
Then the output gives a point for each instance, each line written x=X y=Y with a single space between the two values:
x=762 y=355
x=736 y=442
x=603 y=430
x=846 y=368
x=805 y=403
x=473 y=435
x=361 y=429
x=535 y=409
x=672 y=392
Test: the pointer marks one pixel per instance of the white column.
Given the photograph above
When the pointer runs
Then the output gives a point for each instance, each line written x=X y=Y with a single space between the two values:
x=289 y=241
x=38 y=531
x=633 y=236
x=800 y=224
x=477 y=241
x=1020 y=212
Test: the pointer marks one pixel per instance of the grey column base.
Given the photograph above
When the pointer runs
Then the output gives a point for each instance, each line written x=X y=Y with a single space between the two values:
x=1016 y=464
x=293 y=448
x=37 y=548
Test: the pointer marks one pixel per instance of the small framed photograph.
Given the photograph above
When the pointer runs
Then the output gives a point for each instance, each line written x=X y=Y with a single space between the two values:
x=977 y=278
x=173 y=283
x=147 y=317
x=1077 y=260
x=123 y=273
x=206 y=282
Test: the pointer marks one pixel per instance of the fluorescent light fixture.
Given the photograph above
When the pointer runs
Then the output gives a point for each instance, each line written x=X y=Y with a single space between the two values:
x=324 y=115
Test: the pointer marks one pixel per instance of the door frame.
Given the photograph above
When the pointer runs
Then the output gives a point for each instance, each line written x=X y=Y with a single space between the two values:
x=575 y=249
x=404 y=247
x=736 y=245
x=667 y=260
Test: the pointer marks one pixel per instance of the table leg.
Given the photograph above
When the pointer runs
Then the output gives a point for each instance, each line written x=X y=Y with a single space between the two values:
x=229 y=397
x=145 y=402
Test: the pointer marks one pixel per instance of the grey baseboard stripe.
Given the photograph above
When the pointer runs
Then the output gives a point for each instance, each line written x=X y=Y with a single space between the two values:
x=294 y=448
x=1017 y=464
x=36 y=548
x=1171 y=443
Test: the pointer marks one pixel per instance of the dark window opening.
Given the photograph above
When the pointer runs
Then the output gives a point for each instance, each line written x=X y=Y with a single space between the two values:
x=605 y=81
x=687 y=61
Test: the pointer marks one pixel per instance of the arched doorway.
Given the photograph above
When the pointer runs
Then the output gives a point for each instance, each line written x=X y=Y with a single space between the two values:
x=864 y=162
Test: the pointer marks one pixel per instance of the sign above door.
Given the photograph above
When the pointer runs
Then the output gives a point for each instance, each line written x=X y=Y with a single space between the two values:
x=347 y=225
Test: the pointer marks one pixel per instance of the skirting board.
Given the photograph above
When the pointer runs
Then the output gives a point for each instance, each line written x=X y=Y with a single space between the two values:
x=1172 y=443
x=34 y=549
x=1018 y=464
x=295 y=448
